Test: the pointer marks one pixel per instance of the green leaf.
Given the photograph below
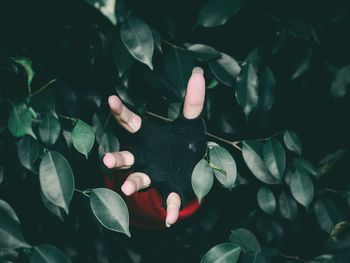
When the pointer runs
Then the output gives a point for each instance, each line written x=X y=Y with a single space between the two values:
x=247 y=89
x=275 y=158
x=56 y=179
x=203 y=52
x=174 y=110
x=341 y=82
x=253 y=257
x=2 y=174
x=202 y=179
x=302 y=188
x=20 y=120
x=44 y=102
x=225 y=69
x=292 y=141
x=110 y=210
x=178 y=65
x=121 y=57
x=303 y=63
x=48 y=254
x=303 y=164
x=326 y=214
x=26 y=63
x=217 y=12
x=267 y=86
x=222 y=159
x=245 y=239
x=138 y=40
x=266 y=200
x=4 y=206
x=213 y=84
x=10 y=235
x=252 y=157
x=222 y=253
x=106 y=7
x=49 y=129
x=287 y=206
x=83 y=137
x=56 y=210
x=28 y=152
x=157 y=40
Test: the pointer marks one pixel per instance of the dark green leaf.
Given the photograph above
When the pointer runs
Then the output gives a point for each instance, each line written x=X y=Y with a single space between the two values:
x=49 y=129
x=106 y=7
x=121 y=56
x=137 y=38
x=4 y=206
x=302 y=188
x=341 y=82
x=26 y=63
x=20 y=120
x=45 y=102
x=202 y=179
x=56 y=210
x=110 y=210
x=292 y=141
x=217 y=12
x=56 y=179
x=221 y=158
x=28 y=152
x=83 y=137
x=225 y=69
x=222 y=253
x=275 y=158
x=10 y=235
x=157 y=40
x=326 y=214
x=245 y=239
x=266 y=200
x=251 y=154
x=174 y=110
x=267 y=85
x=213 y=84
x=303 y=64
x=303 y=164
x=48 y=254
x=178 y=65
x=287 y=205
x=253 y=257
x=202 y=52
x=247 y=89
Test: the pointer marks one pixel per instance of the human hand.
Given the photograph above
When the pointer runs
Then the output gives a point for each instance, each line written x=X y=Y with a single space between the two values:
x=163 y=156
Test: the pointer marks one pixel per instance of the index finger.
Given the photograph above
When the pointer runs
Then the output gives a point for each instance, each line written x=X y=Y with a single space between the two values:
x=195 y=94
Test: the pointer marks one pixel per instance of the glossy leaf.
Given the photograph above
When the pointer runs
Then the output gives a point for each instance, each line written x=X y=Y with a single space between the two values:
x=287 y=206
x=110 y=210
x=56 y=179
x=20 y=120
x=266 y=200
x=138 y=40
x=54 y=209
x=203 y=52
x=202 y=179
x=303 y=64
x=302 y=188
x=341 y=82
x=245 y=239
x=292 y=141
x=303 y=164
x=275 y=158
x=225 y=69
x=222 y=253
x=326 y=214
x=10 y=235
x=251 y=152
x=45 y=102
x=49 y=129
x=48 y=254
x=106 y=7
x=28 y=152
x=178 y=65
x=221 y=158
x=83 y=137
x=217 y=12
x=26 y=63
x=247 y=89
x=122 y=59
x=267 y=86
x=5 y=207
x=174 y=110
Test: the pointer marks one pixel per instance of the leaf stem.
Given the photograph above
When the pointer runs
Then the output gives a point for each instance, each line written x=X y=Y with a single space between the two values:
x=82 y=192
x=66 y=117
x=42 y=88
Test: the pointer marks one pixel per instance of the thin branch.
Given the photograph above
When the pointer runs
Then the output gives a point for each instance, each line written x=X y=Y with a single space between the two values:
x=81 y=192
x=42 y=88
x=267 y=14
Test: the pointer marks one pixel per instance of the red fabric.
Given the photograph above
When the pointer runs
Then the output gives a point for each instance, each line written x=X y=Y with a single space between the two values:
x=146 y=208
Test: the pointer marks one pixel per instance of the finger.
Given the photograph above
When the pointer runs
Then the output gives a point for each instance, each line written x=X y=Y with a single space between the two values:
x=121 y=160
x=195 y=94
x=124 y=116
x=173 y=207
x=135 y=182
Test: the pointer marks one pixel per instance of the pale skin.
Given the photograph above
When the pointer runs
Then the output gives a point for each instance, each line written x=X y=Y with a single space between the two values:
x=193 y=106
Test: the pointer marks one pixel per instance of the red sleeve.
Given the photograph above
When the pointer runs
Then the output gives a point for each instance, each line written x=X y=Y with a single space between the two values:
x=145 y=208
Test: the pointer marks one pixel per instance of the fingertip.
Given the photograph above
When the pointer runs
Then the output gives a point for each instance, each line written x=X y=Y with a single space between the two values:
x=114 y=103
x=128 y=188
x=109 y=160
x=198 y=70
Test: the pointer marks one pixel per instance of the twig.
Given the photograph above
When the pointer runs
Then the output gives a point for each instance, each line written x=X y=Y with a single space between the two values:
x=267 y=14
x=42 y=88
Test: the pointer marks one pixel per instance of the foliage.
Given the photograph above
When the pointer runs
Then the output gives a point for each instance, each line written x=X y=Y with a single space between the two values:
x=277 y=162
